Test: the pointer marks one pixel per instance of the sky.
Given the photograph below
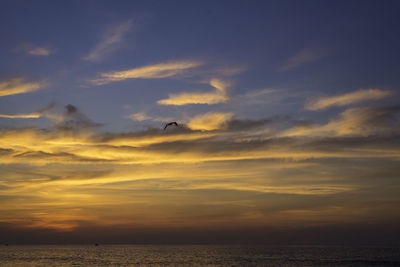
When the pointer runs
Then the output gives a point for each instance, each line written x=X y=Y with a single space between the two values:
x=288 y=122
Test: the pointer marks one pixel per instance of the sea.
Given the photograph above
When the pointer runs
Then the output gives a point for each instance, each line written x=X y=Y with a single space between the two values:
x=196 y=255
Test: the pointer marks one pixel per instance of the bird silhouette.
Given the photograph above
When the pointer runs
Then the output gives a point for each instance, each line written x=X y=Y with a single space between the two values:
x=170 y=123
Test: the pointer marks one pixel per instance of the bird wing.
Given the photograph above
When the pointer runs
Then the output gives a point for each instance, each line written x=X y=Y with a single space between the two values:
x=170 y=123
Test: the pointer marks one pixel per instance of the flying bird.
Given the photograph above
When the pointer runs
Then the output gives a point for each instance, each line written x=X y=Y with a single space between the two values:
x=170 y=123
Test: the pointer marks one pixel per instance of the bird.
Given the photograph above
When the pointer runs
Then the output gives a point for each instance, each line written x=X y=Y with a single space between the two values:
x=170 y=123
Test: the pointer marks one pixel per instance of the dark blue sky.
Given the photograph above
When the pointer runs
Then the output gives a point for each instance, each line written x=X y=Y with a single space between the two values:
x=347 y=45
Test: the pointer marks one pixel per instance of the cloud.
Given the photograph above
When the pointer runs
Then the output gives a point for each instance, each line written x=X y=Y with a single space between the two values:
x=213 y=136
x=38 y=147
x=40 y=113
x=229 y=71
x=39 y=51
x=21 y=116
x=19 y=86
x=305 y=56
x=70 y=120
x=245 y=125
x=74 y=120
x=219 y=96
x=258 y=97
x=225 y=172
x=156 y=71
x=110 y=41
x=210 y=121
x=33 y=50
x=139 y=116
x=363 y=121
x=347 y=99
x=253 y=95
x=142 y=116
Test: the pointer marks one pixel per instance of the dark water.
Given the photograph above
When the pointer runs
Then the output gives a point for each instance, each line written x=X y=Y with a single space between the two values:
x=197 y=255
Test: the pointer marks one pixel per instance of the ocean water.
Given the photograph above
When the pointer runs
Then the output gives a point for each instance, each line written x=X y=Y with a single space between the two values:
x=197 y=255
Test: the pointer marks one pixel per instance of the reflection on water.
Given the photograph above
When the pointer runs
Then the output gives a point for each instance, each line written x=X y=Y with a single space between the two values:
x=197 y=255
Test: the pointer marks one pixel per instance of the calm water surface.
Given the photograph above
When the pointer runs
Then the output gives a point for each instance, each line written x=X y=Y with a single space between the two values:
x=197 y=255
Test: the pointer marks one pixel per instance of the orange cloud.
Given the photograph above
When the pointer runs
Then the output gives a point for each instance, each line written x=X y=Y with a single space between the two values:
x=219 y=96
x=210 y=121
x=19 y=86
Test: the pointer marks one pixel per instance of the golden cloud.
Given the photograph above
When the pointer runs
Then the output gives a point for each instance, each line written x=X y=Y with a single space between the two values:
x=156 y=71
x=212 y=136
x=363 y=121
x=210 y=121
x=142 y=116
x=219 y=96
x=347 y=99
x=226 y=171
x=139 y=116
x=21 y=116
x=19 y=86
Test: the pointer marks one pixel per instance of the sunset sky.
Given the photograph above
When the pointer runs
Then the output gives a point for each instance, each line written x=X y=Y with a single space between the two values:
x=288 y=116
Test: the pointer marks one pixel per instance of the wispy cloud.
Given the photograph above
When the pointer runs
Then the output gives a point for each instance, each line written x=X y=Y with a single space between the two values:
x=143 y=116
x=306 y=55
x=257 y=97
x=47 y=112
x=74 y=120
x=347 y=99
x=219 y=96
x=210 y=121
x=69 y=119
x=19 y=86
x=215 y=171
x=156 y=71
x=113 y=37
x=21 y=116
x=39 y=51
x=34 y=50
x=139 y=116
x=213 y=136
x=361 y=121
